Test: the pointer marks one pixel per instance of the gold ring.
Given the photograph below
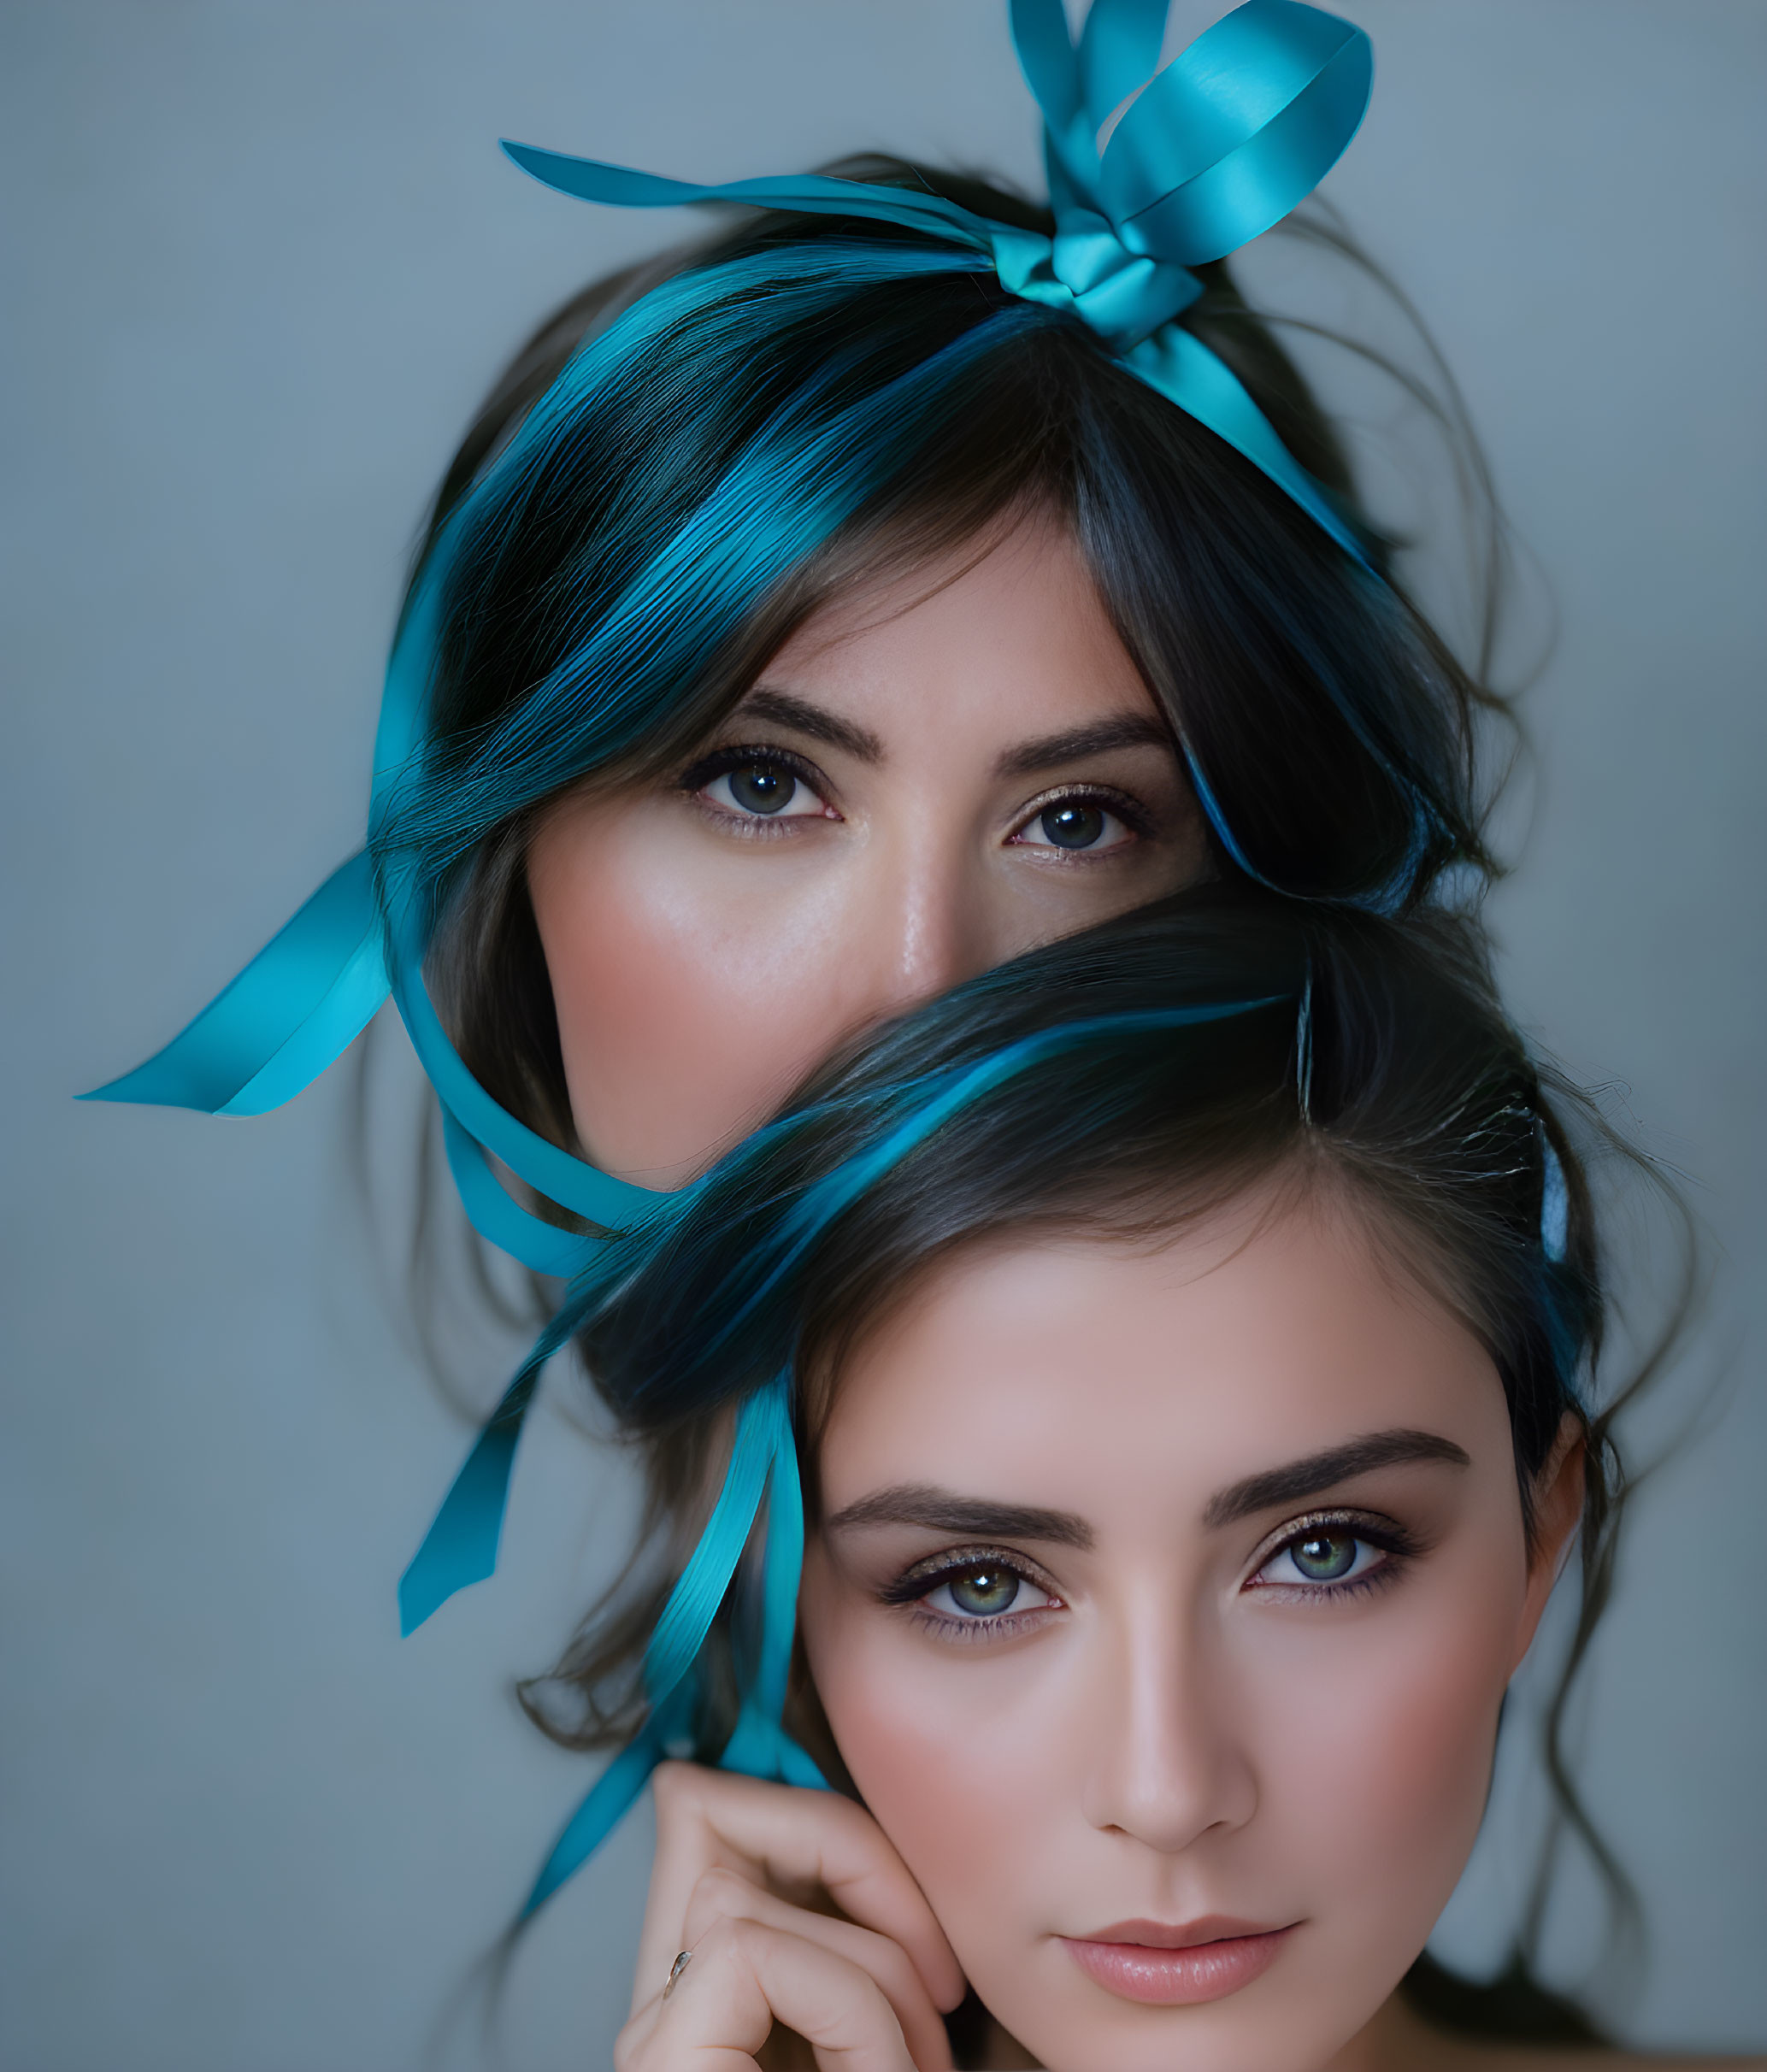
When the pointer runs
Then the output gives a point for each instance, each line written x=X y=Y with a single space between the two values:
x=682 y=1960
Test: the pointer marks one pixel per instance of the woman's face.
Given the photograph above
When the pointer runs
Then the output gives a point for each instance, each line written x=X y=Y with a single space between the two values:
x=926 y=780
x=1162 y=1607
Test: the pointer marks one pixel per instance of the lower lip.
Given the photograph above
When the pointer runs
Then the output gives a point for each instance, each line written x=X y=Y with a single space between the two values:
x=1177 y=1978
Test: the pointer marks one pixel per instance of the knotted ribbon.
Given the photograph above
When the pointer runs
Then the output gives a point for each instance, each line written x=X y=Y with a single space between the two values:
x=1208 y=153
x=1203 y=155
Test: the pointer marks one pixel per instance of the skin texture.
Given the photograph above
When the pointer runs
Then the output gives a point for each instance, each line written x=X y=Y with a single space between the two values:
x=1186 y=1726
x=910 y=854
x=1175 y=1722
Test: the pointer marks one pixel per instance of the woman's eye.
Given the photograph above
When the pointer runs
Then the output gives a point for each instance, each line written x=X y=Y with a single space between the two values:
x=762 y=790
x=1072 y=824
x=1324 y=1554
x=985 y=1591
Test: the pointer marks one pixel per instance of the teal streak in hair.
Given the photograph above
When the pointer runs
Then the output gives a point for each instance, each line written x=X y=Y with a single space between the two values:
x=805 y=1224
x=760 y=1747
x=1554 y=1201
x=803 y=476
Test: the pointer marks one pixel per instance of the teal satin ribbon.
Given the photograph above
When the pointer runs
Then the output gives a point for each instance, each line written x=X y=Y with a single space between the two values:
x=294 y=1009
x=299 y=1004
x=764 y=1460
x=1207 y=154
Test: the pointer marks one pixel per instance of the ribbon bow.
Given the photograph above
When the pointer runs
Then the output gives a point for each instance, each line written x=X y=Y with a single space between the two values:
x=1204 y=155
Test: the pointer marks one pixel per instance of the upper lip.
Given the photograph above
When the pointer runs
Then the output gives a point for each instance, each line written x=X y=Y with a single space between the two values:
x=1184 y=1935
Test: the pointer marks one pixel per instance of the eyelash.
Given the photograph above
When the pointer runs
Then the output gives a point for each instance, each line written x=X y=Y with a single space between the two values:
x=910 y=1591
x=1133 y=816
x=739 y=755
x=722 y=762
x=1388 y=1538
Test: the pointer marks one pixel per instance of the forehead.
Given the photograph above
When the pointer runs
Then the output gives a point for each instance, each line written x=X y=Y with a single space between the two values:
x=1016 y=611
x=1125 y=1382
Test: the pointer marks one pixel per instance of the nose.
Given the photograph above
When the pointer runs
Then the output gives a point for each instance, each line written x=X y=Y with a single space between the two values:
x=1168 y=1765
x=923 y=927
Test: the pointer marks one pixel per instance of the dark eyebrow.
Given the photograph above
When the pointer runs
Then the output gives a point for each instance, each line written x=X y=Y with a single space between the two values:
x=1125 y=730
x=965 y=1517
x=783 y=709
x=1323 y=1471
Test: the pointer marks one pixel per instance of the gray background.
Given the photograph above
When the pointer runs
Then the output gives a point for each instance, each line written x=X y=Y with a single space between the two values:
x=261 y=261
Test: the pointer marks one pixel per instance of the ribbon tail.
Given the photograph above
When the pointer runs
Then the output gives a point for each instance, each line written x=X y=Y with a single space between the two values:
x=460 y=1548
x=542 y=1248
x=596 y=1196
x=693 y=1603
x=1177 y=363
x=300 y=1002
x=761 y=1747
x=592 y=180
x=609 y=1799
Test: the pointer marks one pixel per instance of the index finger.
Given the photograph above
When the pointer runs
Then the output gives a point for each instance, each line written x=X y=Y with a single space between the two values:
x=794 y=1838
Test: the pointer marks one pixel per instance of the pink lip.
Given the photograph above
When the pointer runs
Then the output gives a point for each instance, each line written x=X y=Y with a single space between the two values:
x=1165 y=1966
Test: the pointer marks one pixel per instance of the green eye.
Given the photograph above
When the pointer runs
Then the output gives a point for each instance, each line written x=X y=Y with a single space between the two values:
x=1324 y=1557
x=984 y=1593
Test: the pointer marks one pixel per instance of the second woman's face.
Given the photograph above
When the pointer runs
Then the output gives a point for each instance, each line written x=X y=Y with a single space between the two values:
x=1162 y=1608
x=923 y=783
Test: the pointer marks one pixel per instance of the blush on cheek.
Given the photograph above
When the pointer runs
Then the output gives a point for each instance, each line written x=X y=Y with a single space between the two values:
x=1382 y=1785
x=680 y=1021
x=967 y=1779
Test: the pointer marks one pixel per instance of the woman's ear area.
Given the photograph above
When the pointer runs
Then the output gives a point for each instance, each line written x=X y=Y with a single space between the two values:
x=1557 y=1510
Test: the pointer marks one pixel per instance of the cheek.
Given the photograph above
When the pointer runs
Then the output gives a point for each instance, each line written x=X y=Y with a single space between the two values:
x=961 y=1763
x=1375 y=1764
x=683 y=1010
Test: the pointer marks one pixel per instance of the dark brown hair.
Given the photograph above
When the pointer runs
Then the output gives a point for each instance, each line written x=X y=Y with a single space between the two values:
x=1336 y=731
x=1365 y=1055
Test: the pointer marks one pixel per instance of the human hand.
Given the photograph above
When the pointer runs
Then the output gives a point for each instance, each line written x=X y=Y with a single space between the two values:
x=743 y=1870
